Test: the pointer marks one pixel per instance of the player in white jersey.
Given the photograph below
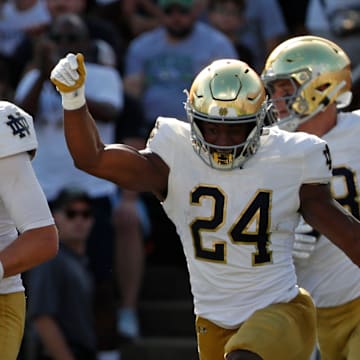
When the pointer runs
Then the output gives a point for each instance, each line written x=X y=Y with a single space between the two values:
x=233 y=190
x=28 y=235
x=308 y=78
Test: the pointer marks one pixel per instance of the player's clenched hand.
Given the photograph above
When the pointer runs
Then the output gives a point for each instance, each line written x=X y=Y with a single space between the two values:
x=69 y=78
x=305 y=241
x=69 y=73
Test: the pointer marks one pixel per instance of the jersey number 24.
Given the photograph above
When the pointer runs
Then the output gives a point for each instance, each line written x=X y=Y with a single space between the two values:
x=257 y=210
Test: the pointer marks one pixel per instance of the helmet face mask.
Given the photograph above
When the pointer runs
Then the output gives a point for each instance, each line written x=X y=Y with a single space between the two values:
x=224 y=157
x=282 y=110
x=227 y=92
x=318 y=69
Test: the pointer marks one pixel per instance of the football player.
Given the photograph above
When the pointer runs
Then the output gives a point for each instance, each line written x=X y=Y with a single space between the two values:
x=28 y=235
x=309 y=79
x=233 y=192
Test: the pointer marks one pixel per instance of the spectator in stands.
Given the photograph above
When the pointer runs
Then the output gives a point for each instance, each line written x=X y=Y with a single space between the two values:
x=54 y=165
x=263 y=29
x=20 y=22
x=108 y=39
x=60 y=291
x=227 y=16
x=294 y=13
x=161 y=63
x=6 y=84
x=142 y=15
x=319 y=22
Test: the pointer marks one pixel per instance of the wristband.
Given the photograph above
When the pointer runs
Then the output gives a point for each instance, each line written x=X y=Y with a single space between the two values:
x=1 y=271
x=74 y=100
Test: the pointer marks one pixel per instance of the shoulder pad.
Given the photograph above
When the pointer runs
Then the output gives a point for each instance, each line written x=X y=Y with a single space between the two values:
x=17 y=133
x=168 y=137
x=168 y=128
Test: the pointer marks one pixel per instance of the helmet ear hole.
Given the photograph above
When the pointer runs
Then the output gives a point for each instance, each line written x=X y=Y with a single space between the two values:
x=322 y=87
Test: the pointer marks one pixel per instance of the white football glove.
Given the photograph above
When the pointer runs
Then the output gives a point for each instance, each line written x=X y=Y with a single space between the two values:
x=69 y=78
x=304 y=243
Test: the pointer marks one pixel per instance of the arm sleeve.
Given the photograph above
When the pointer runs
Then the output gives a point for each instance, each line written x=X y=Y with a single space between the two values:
x=21 y=194
x=161 y=140
x=317 y=163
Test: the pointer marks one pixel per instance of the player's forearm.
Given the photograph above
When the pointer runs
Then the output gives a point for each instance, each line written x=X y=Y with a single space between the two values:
x=30 y=249
x=82 y=137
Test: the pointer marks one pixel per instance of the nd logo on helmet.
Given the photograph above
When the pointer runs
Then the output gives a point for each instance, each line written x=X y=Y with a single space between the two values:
x=223 y=111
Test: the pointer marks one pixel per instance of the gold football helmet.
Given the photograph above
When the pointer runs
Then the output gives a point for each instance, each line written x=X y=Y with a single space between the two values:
x=227 y=91
x=320 y=74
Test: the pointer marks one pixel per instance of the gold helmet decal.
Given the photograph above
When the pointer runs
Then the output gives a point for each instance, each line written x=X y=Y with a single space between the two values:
x=223 y=111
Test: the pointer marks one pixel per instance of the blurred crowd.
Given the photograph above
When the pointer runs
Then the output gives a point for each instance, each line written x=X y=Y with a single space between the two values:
x=140 y=56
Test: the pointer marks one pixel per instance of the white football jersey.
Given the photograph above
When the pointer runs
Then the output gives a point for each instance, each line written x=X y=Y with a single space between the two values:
x=23 y=205
x=237 y=226
x=329 y=275
x=17 y=132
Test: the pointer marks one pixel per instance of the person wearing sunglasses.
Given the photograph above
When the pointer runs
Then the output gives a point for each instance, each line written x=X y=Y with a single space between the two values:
x=61 y=291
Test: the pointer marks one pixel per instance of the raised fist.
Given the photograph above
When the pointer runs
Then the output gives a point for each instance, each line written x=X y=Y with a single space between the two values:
x=69 y=74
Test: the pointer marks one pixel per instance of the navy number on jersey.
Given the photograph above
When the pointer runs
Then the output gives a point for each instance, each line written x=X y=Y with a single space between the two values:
x=327 y=155
x=256 y=212
x=350 y=199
